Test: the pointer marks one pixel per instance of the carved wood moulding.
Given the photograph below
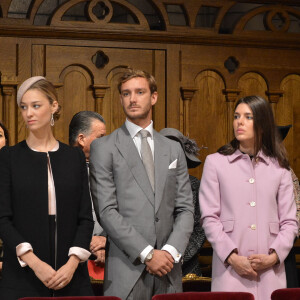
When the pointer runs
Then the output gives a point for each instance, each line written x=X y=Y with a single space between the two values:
x=184 y=21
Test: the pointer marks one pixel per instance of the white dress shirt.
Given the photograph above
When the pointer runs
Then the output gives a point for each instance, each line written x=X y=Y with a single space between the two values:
x=134 y=131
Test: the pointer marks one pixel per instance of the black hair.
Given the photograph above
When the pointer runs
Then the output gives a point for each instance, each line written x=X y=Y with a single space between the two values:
x=81 y=123
x=266 y=135
x=5 y=134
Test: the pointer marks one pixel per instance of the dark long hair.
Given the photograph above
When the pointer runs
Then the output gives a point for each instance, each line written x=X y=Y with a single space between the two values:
x=266 y=136
x=5 y=134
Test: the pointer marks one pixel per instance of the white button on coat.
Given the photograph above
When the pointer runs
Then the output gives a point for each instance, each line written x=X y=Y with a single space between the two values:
x=251 y=180
x=253 y=226
x=252 y=203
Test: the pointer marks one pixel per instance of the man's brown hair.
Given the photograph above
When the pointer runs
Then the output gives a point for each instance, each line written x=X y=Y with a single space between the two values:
x=131 y=73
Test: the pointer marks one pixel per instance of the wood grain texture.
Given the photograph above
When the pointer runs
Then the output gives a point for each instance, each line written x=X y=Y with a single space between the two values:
x=178 y=56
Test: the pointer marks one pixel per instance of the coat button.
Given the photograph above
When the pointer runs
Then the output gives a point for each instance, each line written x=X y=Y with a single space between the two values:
x=252 y=203
x=156 y=219
x=253 y=226
x=251 y=180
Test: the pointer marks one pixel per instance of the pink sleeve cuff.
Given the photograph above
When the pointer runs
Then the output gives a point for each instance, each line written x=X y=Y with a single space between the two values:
x=22 y=249
x=81 y=253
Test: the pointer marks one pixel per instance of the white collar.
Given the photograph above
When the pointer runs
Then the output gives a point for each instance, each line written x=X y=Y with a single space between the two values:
x=134 y=129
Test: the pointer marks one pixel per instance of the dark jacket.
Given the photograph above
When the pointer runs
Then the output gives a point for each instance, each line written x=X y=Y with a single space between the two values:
x=191 y=263
x=24 y=215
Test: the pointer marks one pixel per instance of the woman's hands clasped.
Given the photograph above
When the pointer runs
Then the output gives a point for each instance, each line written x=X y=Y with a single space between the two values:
x=64 y=275
x=43 y=272
x=52 y=279
x=263 y=261
x=242 y=266
x=249 y=266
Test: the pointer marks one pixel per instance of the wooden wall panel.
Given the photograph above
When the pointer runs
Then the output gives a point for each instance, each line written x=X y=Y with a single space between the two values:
x=252 y=84
x=173 y=77
x=24 y=67
x=83 y=86
x=8 y=56
x=159 y=111
x=38 y=60
x=112 y=100
x=207 y=121
x=8 y=84
x=288 y=112
x=175 y=67
x=75 y=95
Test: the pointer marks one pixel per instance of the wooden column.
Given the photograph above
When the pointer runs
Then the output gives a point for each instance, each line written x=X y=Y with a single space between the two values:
x=187 y=94
x=9 y=109
x=231 y=96
x=99 y=92
x=273 y=97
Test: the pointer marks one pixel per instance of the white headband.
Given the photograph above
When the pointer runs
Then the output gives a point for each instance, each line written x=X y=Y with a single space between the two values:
x=25 y=86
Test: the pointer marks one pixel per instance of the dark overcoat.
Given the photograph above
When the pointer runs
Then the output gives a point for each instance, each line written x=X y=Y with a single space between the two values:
x=24 y=216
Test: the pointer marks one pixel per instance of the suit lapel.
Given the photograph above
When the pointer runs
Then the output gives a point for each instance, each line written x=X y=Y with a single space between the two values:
x=128 y=150
x=161 y=162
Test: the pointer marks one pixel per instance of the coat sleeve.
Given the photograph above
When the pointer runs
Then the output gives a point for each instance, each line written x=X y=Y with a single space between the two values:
x=184 y=208
x=8 y=233
x=85 y=219
x=103 y=190
x=210 y=207
x=288 y=225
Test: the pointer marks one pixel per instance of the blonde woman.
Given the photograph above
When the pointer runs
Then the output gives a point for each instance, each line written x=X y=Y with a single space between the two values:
x=45 y=218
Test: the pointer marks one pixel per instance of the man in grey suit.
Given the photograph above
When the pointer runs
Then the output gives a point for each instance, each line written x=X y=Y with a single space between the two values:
x=85 y=127
x=139 y=179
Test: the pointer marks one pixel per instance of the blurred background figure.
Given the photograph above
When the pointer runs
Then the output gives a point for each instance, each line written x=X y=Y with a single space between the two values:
x=4 y=141
x=190 y=259
x=84 y=128
x=46 y=215
x=292 y=278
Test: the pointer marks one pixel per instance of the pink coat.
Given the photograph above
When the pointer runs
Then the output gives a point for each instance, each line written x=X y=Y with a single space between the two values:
x=247 y=206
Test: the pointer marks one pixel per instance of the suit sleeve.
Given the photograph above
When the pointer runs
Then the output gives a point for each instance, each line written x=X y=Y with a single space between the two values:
x=184 y=208
x=11 y=237
x=85 y=220
x=210 y=206
x=103 y=190
x=288 y=225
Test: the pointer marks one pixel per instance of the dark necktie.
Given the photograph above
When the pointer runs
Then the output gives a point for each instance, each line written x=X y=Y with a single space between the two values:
x=147 y=156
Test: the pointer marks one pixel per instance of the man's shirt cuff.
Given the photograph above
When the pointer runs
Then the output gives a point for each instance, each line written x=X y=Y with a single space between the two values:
x=145 y=252
x=173 y=251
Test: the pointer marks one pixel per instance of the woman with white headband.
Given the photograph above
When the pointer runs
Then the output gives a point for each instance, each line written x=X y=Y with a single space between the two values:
x=45 y=218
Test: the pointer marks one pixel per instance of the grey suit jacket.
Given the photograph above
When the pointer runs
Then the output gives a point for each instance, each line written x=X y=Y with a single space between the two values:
x=98 y=230
x=131 y=214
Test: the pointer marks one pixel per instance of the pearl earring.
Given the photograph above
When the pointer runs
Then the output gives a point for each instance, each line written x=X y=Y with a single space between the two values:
x=52 y=120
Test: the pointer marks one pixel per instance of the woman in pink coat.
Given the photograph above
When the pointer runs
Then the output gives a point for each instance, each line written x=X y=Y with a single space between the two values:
x=247 y=206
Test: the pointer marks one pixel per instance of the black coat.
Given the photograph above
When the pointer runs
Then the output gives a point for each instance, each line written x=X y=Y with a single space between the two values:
x=24 y=215
x=191 y=263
